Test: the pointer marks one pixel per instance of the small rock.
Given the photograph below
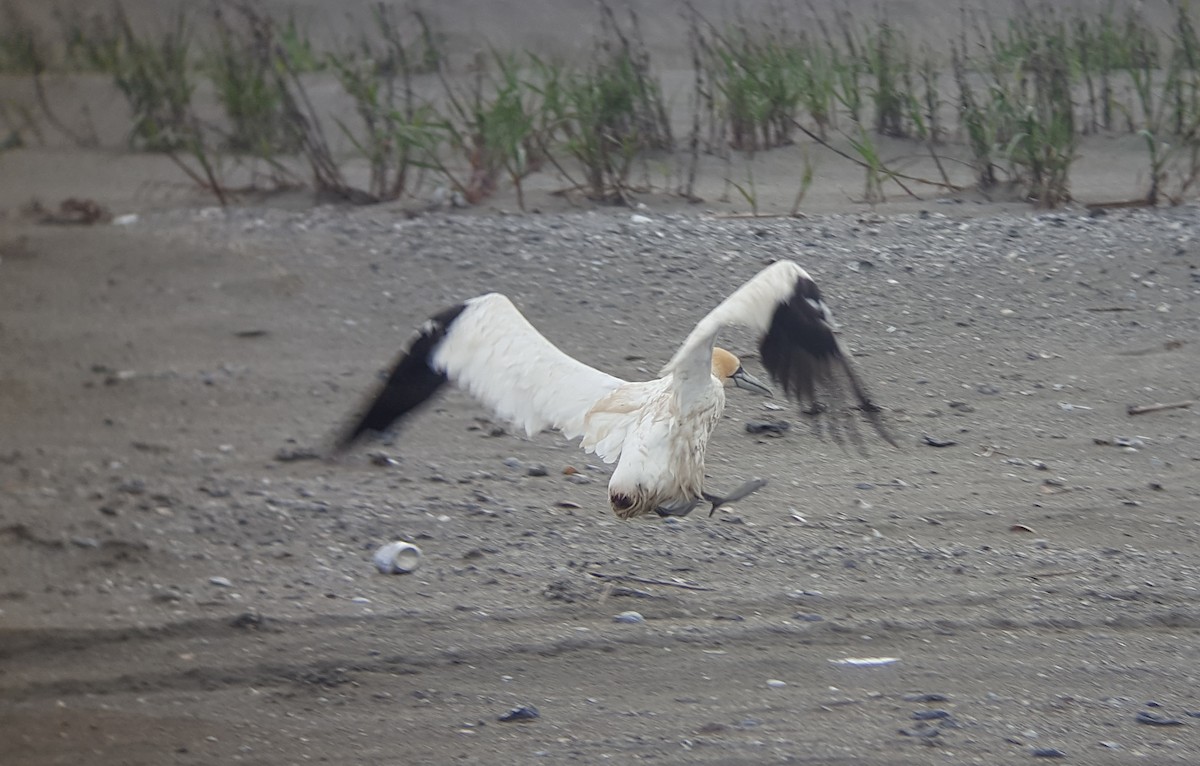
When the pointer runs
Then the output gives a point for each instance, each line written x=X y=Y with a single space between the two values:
x=930 y=715
x=536 y=470
x=629 y=617
x=934 y=441
x=520 y=714
x=578 y=478
x=1047 y=752
x=924 y=730
x=132 y=487
x=775 y=683
x=774 y=427
x=249 y=621
x=296 y=454
x=166 y=595
x=1156 y=719
x=925 y=697
x=222 y=582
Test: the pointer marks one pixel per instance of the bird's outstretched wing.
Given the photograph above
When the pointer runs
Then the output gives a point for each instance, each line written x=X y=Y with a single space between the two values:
x=797 y=342
x=488 y=348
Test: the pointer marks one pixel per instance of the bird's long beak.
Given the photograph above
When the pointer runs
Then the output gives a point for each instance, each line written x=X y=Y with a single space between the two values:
x=743 y=379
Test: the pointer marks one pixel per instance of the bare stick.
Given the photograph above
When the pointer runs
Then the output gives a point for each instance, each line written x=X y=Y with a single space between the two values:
x=1142 y=409
x=891 y=175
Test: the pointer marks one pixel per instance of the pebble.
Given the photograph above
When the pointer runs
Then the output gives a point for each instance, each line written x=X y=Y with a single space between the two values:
x=249 y=621
x=223 y=582
x=924 y=730
x=520 y=713
x=296 y=454
x=775 y=683
x=1157 y=719
x=629 y=617
x=1047 y=752
x=775 y=427
x=536 y=470
x=930 y=715
x=934 y=441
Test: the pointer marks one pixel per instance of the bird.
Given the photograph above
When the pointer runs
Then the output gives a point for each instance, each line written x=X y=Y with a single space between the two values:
x=656 y=431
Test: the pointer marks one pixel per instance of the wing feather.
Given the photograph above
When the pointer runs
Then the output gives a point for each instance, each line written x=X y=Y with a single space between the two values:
x=798 y=343
x=495 y=354
x=411 y=383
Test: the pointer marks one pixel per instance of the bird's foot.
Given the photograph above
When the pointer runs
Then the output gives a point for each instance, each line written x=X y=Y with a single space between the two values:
x=745 y=490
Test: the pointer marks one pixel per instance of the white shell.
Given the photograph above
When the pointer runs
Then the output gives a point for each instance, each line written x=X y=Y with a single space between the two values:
x=397 y=558
x=865 y=662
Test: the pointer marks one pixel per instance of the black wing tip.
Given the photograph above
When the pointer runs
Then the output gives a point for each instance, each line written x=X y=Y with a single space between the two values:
x=873 y=414
x=411 y=382
x=803 y=356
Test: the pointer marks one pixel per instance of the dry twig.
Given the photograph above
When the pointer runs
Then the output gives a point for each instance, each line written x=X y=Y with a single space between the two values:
x=1142 y=409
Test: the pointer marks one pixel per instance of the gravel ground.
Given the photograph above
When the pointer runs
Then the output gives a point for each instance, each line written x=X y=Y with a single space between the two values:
x=182 y=583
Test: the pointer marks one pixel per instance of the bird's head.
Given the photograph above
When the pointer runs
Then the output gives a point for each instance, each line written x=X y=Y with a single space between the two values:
x=728 y=369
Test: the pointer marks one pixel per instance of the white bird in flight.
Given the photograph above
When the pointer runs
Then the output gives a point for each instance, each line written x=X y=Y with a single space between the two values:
x=655 y=431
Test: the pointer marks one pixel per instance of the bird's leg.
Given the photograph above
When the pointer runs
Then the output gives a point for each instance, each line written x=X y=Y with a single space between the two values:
x=745 y=490
x=677 y=508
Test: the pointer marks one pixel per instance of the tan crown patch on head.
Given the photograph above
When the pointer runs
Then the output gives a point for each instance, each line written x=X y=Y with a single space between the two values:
x=724 y=364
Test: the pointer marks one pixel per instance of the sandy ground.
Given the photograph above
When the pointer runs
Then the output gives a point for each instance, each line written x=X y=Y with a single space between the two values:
x=181 y=583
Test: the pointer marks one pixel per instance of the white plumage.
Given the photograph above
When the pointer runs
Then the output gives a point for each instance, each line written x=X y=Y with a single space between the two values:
x=656 y=431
